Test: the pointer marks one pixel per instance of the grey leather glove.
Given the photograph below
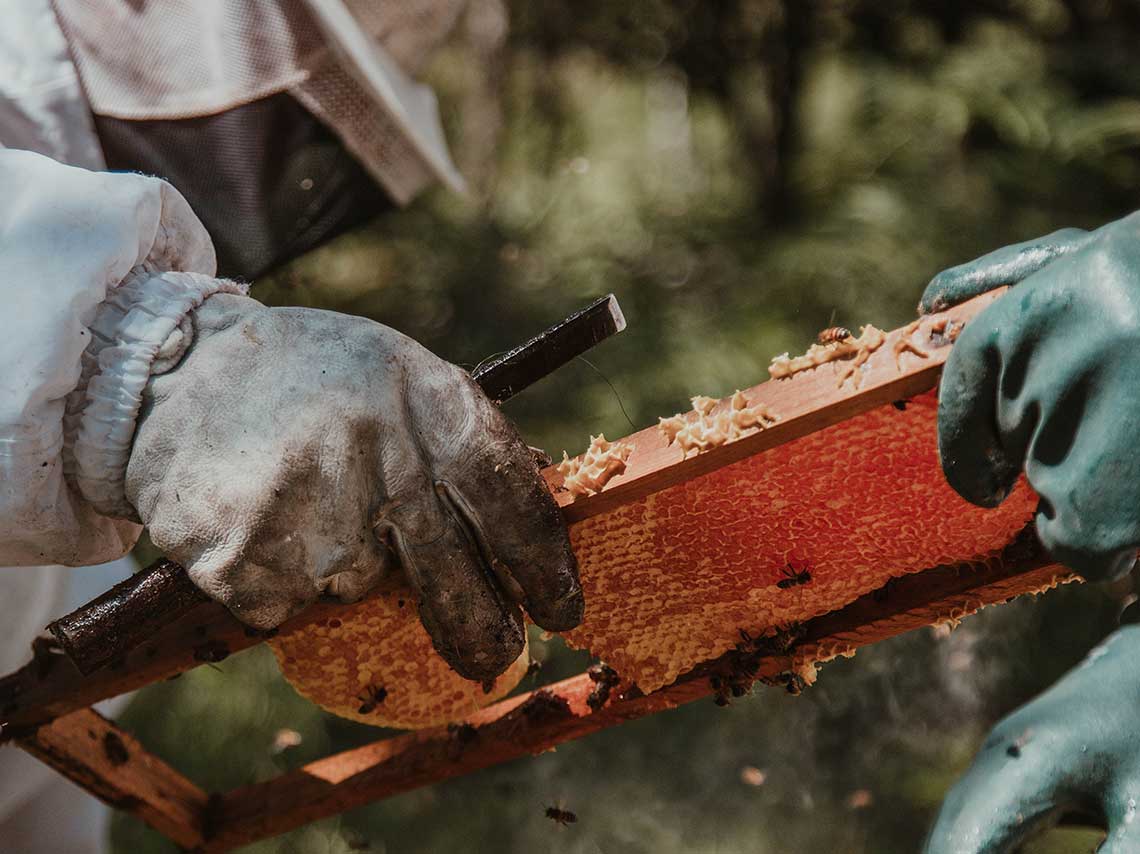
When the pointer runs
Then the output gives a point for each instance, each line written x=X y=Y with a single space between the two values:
x=294 y=452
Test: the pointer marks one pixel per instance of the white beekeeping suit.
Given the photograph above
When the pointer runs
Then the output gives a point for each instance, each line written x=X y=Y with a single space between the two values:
x=68 y=238
x=39 y=810
x=69 y=70
x=347 y=62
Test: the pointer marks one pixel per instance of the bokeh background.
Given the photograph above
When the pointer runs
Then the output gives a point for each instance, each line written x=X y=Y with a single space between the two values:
x=741 y=174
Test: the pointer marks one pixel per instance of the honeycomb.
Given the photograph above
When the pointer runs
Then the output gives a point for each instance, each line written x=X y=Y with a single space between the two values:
x=854 y=352
x=671 y=579
x=588 y=473
x=377 y=647
x=704 y=428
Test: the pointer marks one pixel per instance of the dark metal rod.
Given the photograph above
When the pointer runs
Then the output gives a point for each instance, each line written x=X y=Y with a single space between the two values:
x=108 y=627
x=505 y=376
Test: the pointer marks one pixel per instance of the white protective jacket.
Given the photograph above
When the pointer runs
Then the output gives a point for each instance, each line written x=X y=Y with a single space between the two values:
x=347 y=61
x=69 y=240
x=72 y=243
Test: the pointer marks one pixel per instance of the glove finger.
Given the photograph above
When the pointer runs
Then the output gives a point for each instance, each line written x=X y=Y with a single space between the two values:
x=1005 y=266
x=1007 y=796
x=975 y=460
x=489 y=478
x=1013 y=391
x=472 y=626
x=523 y=539
x=1085 y=516
x=1063 y=416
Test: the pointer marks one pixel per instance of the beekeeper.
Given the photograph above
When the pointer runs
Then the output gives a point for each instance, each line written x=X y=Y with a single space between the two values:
x=1045 y=382
x=277 y=453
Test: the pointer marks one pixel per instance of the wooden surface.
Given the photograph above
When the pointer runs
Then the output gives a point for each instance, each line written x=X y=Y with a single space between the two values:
x=40 y=692
x=500 y=733
x=126 y=615
x=94 y=753
x=805 y=403
x=530 y=724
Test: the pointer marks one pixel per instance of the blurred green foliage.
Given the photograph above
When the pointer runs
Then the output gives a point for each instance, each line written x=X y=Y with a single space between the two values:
x=741 y=174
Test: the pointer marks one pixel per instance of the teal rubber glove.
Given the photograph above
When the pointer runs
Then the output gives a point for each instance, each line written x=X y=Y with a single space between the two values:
x=1073 y=750
x=1047 y=380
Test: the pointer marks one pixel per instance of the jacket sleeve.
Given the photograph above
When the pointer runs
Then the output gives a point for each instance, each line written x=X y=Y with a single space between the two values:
x=68 y=239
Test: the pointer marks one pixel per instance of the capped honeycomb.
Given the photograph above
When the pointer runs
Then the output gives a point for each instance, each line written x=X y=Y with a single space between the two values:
x=587 y=474
x=853 y=351
x=374 y=663
x=672 y=578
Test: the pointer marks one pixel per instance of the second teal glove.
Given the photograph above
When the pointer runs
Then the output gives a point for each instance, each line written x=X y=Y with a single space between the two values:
x=1073 y=750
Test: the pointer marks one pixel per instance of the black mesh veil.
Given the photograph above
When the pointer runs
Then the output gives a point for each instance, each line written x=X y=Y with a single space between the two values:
x=268 y=180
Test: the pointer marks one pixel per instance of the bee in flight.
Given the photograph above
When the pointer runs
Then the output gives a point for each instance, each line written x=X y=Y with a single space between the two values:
x=560 y=816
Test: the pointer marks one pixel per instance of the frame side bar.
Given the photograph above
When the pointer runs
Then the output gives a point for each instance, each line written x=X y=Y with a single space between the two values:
x=95 y=754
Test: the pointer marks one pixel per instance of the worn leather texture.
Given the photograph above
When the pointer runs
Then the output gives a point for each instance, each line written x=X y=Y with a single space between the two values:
x=295 y=452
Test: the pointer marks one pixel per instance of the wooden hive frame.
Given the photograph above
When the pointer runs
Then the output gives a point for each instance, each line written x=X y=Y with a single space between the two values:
x=45 y=706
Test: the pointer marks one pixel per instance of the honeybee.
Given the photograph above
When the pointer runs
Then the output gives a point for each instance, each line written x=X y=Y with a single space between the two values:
x=793 y=577
x=560 y=816
x=604 y=678
x=794 y=684
x=370 y=698
x=722 y=690
x=787 y=637
x=734 y=686
x=833 y=335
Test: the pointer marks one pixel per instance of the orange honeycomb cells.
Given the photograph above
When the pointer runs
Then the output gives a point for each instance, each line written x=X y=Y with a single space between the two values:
x=587 y=474
x=670 y=579
x=341 y=662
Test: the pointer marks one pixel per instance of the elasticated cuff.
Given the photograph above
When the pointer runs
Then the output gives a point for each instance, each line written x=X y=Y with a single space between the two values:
x=142 y=329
